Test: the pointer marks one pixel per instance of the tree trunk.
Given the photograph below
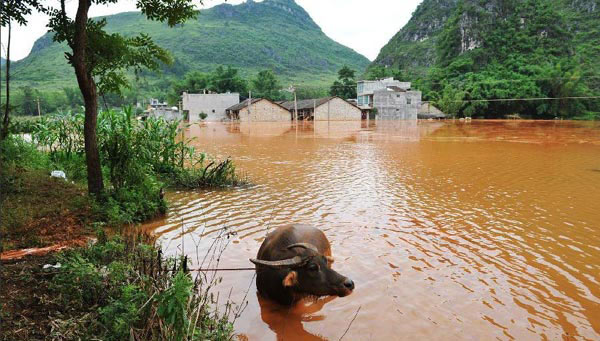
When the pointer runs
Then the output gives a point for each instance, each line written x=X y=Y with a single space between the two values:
x=90 y=98
x=6 y=120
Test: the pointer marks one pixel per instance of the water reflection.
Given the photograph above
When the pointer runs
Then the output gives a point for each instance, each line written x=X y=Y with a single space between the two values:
x=288 y=322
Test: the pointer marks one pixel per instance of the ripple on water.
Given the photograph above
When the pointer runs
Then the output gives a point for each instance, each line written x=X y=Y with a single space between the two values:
x=447 y=228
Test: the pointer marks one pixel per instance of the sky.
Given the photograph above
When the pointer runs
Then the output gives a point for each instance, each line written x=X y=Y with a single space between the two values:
x=363 y=25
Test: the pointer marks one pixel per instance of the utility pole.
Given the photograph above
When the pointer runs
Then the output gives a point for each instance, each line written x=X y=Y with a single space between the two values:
x=295 y=105
x=38 y=106
x=180 y=111
x=314 y=109
x=249 y=103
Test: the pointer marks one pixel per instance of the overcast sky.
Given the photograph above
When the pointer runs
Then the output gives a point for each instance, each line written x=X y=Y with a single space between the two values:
x=363 y=25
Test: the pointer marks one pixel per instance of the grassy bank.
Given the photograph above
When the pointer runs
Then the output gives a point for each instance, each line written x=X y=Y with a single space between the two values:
x=116 y=288
x=111 y=290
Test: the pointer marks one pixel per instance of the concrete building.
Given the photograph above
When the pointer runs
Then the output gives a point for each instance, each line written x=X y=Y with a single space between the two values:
x=213 y=105
x=169 y=114
x=325 y=109
x=159 y=109
x=259 y=110
x=392 y=99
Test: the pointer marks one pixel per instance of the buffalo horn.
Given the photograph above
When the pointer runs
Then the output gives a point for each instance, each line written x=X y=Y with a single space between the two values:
x=305 y=246
x=279 y=263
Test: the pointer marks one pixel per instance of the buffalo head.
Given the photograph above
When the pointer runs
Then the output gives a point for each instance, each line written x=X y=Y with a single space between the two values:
x=308 y=272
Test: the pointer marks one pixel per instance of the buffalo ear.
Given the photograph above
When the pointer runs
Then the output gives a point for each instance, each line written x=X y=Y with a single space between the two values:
x=330 y=260
x=291 y=279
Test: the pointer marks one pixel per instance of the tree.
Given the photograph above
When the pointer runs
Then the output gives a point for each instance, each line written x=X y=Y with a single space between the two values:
x=12 y=10
x=100 y=59
x=378 y=72
x=193 y=82
x=73 y=96
x=29 y=106
x=345 y=86
x=266 y=85
x=224 y=80
x=6 y=120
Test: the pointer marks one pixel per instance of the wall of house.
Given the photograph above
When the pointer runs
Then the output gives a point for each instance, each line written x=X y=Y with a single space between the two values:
x=339 y=110
x=265 y=111
x=169 y=115
x=369 y=87
x=397 y=105
x=213 y=105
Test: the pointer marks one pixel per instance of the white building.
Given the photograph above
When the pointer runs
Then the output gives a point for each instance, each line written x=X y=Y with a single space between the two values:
x=213 y=105
x=393 y=99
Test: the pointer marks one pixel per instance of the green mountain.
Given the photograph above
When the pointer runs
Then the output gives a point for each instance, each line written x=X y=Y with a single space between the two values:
x=414 y=46
x=275 y=34
x=462 y=53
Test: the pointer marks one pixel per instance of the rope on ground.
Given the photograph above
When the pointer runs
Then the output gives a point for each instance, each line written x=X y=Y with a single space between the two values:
x=354 y=318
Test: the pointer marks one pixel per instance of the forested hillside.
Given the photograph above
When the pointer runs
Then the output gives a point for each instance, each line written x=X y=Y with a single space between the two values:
x=463 y=53
x=273 y=34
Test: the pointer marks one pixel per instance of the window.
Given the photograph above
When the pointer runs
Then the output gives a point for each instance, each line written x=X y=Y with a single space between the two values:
x=408 y=101
x=213 y=111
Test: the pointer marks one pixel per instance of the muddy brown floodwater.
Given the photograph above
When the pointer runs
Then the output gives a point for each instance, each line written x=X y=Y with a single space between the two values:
x=450 y=230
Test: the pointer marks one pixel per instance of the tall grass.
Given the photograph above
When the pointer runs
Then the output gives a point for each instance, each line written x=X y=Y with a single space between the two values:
x=139 y=158
x=123 y=289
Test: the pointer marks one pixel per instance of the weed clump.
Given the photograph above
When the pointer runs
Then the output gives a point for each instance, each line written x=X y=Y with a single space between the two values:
x=127 y=289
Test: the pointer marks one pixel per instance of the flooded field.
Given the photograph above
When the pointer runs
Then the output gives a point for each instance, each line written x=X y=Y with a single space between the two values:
x=451 y=231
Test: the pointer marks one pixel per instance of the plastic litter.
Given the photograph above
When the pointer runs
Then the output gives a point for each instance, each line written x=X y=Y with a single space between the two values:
x=48 y=266
x=58 y=174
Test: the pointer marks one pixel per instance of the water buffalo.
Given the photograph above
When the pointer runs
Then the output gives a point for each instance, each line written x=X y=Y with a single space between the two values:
x=294 y=262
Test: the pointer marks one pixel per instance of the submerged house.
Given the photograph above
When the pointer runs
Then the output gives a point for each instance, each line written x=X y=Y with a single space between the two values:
x=213 y=105
x=428 y=111
x=392 y=99
x=159 y=109
x=324 y=109
x=258 y=110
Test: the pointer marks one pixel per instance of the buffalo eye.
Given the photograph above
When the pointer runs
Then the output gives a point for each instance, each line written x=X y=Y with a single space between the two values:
x=313 y=267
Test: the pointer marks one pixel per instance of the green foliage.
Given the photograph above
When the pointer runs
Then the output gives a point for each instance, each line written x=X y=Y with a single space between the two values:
x=128 y=291
x=194 y=82
x=16 y=152
x=214 y=174
x=308 y=92
x=227 y=80
x=266 y=85
x=81 y=283
x=345 y=86
x=17 y=10
x=292 y=45
x=500 y=50
x=202 y=116
x=139 y=158
x=173 y=305
x=22 y=124
x=109 y=56
x=122 y=312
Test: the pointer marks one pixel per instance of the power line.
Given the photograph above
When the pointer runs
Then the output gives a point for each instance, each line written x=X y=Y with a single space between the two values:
x=526 y=99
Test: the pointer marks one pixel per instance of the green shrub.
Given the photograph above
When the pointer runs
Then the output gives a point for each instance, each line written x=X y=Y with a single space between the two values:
x=138 y=158
x=80 y=283
x=173 y=305
x=127 y=291
x=133 y=204
x=123 y=312
x=15 y=151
